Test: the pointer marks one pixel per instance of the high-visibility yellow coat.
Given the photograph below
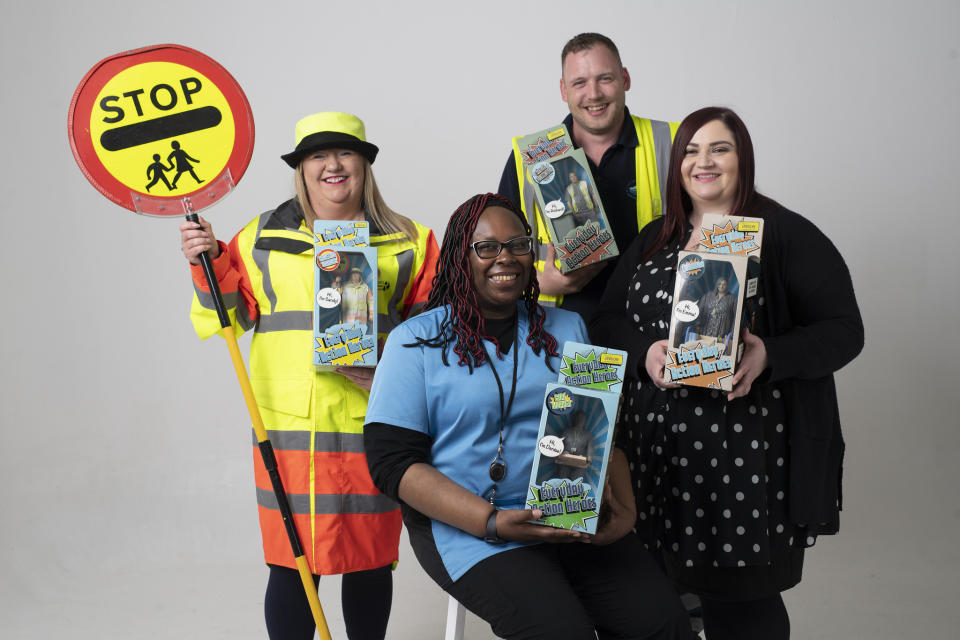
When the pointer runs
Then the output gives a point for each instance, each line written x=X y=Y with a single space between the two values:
x=652 y=158
x=314 y=418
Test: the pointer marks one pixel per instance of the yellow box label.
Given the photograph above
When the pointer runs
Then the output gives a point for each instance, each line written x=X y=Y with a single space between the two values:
x=553 y=135
x=746 y=225
x=611 y=358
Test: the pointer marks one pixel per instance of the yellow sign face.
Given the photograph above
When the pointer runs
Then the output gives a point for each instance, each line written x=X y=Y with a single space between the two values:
x=162 y=129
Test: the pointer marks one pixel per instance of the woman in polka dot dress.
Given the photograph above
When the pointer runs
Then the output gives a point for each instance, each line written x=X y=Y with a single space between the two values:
x=733 y=487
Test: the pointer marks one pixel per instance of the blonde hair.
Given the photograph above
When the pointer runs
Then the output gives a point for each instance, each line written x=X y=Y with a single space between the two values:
x=383 y=217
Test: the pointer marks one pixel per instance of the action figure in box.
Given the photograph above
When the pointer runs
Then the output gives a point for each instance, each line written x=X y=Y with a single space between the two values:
x=563 y=189
x=357 y=301
x=718 y=309
x=577 y=453
x=705 y=323
x=345 y=315
x=576 y=436
x=579 y=200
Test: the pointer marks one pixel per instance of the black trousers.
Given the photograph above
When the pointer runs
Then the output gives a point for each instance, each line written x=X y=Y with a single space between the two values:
x=761 y=619
x=365 y=597
x=573 y=591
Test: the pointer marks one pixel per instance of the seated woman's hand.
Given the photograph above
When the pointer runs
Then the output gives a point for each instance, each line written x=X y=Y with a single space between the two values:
x=655 y=363
x=751 y=365
x=616 y=519
x=515 y=525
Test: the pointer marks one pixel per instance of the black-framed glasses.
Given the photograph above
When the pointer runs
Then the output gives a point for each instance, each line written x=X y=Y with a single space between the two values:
x=519 y=246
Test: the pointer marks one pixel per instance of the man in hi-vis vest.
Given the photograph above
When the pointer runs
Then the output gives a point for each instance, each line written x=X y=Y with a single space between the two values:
x=628 y=157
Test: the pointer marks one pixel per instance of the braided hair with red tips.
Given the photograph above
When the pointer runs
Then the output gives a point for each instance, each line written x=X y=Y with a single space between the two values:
x=453 y=288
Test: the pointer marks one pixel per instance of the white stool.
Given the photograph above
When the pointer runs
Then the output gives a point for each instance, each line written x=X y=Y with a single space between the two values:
x=455 y=619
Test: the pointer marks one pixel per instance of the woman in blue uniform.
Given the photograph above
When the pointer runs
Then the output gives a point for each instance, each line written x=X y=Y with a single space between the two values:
x=451 y=432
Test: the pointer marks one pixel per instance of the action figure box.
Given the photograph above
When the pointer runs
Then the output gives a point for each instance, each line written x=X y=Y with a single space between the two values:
x=705 y=326
x=731 y=235
x=736 y=235
x=566 y=195
x=344 y=291
x=576 y=437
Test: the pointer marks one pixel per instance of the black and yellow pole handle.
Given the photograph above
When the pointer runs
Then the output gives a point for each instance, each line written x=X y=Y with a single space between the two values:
x=266 y=449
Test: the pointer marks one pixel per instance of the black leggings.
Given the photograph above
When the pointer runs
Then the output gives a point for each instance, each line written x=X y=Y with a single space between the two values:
x=366 y=597
x=763 y=619
x=574 y=591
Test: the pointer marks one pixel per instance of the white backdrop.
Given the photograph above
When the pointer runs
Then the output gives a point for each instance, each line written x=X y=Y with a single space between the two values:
x=127 y=505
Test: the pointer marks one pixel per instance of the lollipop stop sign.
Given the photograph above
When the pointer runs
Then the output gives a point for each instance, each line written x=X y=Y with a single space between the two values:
x=162 y=130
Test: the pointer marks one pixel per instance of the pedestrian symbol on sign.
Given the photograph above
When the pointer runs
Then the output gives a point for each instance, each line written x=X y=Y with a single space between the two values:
x=158 y=169
x=181 y=159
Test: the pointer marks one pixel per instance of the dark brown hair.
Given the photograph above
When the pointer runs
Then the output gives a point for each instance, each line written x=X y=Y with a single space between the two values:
x=679 y=204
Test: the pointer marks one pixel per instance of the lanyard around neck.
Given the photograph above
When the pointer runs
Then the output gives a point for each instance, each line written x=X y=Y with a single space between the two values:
x=498 y=468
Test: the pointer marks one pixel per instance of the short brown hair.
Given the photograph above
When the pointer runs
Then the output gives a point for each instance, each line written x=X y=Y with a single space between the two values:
x=585 y=41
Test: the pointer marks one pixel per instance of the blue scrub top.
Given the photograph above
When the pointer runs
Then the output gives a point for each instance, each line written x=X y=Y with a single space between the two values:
x=460 y=412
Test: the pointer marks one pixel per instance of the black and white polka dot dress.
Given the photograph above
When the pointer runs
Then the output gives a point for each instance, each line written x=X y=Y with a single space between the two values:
x=711 y=475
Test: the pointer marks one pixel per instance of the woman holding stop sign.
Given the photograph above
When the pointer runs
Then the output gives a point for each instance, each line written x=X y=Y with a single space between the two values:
x=315 y=418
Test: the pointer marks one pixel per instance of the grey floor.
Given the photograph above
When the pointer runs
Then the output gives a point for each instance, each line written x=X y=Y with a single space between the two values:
x=853 y=588
x=95 y=555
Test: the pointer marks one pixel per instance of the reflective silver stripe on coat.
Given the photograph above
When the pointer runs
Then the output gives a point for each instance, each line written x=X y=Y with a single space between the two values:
x=529 y=205
x=529 y=197
x=329 y=504
x=416 y=309
x=206 y=298
x=261 y=258
x=243 y=317
x=387 y=321
x=230 y=301
x=282 y=320
x=542 y=250
x=286 y=440
x=339 y=443
x=286 y=321
x=661 y=148
x=325 y=442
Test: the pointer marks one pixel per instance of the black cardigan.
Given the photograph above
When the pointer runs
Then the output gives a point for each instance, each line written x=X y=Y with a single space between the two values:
x=814 y=328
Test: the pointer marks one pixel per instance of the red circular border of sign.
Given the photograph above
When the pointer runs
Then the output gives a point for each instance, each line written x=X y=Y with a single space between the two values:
x=81 y=108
